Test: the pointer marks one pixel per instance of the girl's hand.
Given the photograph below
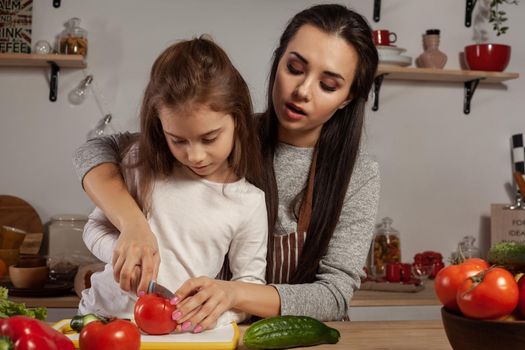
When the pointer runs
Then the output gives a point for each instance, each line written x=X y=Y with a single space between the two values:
x=136 y=258
x=203 y=300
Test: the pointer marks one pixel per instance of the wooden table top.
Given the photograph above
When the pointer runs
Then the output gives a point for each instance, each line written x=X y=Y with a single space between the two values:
x=383 y=335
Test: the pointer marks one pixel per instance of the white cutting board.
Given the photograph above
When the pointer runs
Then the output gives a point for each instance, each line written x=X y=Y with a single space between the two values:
x=225 y=337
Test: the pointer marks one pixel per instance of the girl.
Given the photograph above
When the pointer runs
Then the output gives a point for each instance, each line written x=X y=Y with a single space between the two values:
x=321 y=187
x=189 y=171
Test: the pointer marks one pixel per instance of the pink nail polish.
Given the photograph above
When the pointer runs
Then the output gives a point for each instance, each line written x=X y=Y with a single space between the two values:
x=176 y=315
x=141 y=293
x=186 y=325
x=197 y=329
x=174 y=300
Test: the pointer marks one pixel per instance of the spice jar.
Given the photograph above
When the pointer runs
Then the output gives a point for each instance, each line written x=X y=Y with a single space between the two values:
x=73 y=40
x=386 y=247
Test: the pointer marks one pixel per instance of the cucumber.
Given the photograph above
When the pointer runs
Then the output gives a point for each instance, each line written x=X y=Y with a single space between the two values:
x=284 y=332
x=80 y=321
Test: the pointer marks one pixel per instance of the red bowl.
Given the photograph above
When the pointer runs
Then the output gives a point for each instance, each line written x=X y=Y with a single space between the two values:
x=487 y=57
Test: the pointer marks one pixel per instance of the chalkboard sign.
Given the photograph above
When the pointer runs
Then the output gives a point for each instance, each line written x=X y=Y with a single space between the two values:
x=15 y=25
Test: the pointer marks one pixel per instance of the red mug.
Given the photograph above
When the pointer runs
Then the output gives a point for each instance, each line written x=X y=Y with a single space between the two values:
x=384 y=37
x=393 y=272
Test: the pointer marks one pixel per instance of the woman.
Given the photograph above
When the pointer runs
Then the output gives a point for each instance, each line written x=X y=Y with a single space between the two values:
x=318 y=181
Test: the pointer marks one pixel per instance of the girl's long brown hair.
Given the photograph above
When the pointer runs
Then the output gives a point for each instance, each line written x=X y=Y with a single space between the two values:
x=338 y=144
x=194 y=73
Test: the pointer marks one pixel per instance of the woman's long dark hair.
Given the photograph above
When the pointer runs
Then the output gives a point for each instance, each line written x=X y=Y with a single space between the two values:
x=338 y=144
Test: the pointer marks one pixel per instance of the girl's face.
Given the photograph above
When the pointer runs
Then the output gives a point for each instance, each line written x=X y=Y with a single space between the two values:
x=313 y=80
x=200 y=139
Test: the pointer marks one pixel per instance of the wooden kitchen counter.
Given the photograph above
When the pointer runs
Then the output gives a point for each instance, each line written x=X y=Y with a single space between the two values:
x=391 y=335
x=362 y=298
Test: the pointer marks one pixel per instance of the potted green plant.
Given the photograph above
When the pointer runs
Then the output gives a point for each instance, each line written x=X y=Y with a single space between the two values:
x=491 y=56
x=498 y=17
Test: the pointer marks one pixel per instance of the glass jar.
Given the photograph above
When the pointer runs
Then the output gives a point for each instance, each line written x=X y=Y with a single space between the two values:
x=386 y=247
x=73 y=39
x=467 y=249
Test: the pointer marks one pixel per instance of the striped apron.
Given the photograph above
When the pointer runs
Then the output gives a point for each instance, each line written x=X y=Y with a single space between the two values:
x=287 y=248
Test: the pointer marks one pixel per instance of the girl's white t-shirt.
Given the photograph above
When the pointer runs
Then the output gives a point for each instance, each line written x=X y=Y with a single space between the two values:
x=196 y=223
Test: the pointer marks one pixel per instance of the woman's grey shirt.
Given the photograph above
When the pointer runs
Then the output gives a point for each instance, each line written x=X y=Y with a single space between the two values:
x=341 y=269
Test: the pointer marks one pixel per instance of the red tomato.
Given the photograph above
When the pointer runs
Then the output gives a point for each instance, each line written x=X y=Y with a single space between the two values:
x=153 y=314
x=34 y=342
x=521 y=303
x=491 y=294
x=450 y=278
x=115 y=335
x=478 y=262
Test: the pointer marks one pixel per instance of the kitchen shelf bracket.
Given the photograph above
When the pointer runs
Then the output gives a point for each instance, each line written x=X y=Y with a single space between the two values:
x=468 y=12
x=53 y=81
x=377 y=87
x=377 y=10
x=56 y=3
x=470 y=88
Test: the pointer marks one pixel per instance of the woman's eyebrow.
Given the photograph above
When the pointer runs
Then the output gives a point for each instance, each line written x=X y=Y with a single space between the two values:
x=327 y=72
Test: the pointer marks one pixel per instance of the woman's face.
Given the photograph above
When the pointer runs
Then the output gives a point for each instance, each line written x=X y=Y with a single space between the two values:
x=313 y=80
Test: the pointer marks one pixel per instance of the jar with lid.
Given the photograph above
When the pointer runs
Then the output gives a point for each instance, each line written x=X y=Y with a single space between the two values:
x=73 y=40
x=386 y=247
x=65 y=235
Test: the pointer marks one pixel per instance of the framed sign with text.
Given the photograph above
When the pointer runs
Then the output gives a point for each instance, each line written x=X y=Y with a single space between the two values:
x=16 y=18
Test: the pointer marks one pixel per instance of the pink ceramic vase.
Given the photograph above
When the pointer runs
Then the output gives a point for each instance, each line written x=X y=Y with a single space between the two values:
x=431 y=57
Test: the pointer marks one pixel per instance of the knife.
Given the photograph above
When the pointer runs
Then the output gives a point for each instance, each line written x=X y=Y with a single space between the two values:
x=156 y=288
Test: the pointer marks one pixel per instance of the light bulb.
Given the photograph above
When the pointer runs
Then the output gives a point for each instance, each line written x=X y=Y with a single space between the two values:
x=78 y=94
x=102 y=128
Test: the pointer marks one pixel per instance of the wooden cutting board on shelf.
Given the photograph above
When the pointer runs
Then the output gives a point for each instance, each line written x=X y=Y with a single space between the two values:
x=16 y=212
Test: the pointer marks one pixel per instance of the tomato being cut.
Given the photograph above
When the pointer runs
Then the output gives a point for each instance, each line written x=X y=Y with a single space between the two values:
x=491 y=294
x=450 y=278
x=115 y=335
x=153 y=314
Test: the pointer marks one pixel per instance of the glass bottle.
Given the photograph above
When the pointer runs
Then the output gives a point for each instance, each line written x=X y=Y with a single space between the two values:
x=386 y=247
x=73 y=40
x=431 y=57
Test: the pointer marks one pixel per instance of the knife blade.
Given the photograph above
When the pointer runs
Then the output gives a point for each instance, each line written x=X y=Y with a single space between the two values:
x=156 y=288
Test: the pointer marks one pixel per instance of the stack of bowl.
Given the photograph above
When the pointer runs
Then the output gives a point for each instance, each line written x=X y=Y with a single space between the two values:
x=392 y=55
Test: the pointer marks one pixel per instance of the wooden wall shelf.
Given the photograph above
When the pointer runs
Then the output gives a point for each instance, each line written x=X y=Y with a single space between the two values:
x=35 y=60
x=469 y=78
x=55 y=62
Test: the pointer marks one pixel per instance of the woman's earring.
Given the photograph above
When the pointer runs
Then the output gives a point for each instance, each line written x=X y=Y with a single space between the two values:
x=344 y=104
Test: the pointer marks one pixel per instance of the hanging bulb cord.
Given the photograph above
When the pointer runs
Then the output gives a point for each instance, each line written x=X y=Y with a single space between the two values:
x=101 y=104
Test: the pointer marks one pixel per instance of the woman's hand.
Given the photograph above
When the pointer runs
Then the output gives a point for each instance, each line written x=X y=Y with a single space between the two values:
x=136 y=258
x=201 y=300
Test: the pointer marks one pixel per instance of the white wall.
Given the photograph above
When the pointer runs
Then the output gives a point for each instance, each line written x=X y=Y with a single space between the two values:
x=440 y=168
